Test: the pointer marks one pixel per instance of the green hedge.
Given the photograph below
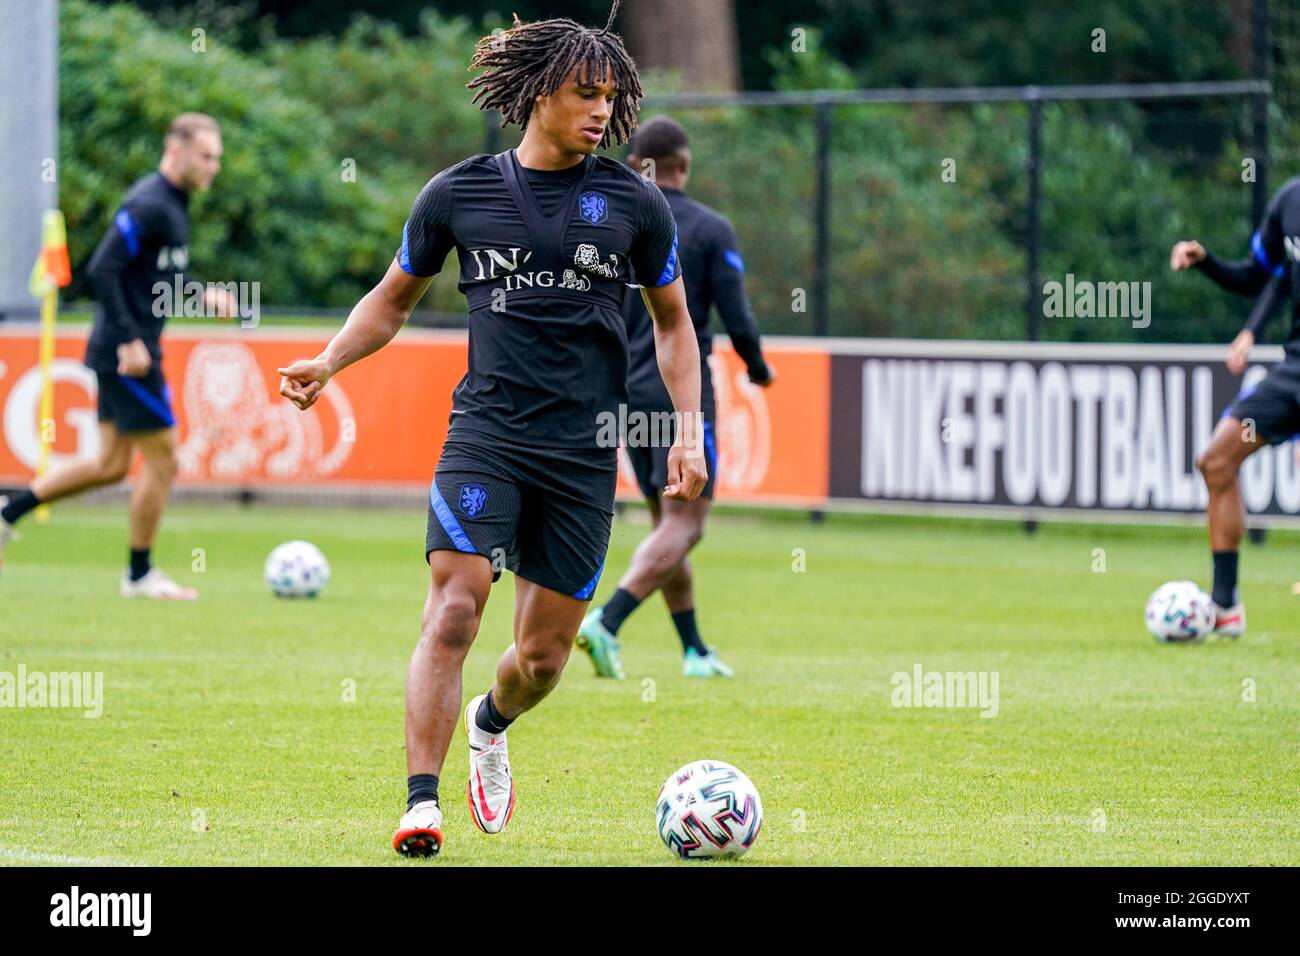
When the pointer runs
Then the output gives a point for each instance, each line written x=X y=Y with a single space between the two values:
x=911 y=254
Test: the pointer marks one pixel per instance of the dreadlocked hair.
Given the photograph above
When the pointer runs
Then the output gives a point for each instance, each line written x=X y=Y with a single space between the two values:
x=532 y=59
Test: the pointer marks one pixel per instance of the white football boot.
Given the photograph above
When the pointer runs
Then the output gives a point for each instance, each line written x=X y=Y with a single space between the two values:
x=1230 y=621
x=491 y=788
x=419 y=832
x=156 y=585
x=695 y=664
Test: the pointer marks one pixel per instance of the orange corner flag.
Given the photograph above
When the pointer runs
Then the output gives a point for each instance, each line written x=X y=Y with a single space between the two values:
x=52 y=269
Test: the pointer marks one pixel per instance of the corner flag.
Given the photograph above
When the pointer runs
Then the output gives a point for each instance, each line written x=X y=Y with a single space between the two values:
x=50 y=273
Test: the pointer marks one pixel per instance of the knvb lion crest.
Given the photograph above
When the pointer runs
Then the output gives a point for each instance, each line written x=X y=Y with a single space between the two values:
x=593 y=207
x=473 y=499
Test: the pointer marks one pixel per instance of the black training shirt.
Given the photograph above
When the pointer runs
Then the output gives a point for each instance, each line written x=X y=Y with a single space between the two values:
x=544 y=259
x=147 y=243
x=713 y=272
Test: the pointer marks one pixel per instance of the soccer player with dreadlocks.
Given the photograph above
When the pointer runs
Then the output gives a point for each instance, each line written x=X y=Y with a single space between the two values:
x=547 y=237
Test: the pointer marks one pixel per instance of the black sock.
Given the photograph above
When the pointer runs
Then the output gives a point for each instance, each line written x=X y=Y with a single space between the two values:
x=684 y=621
x=1225 y=578
x=420 y=787
x=488 y=719
x=139 y=563
x=620 y=604
x=21 y=503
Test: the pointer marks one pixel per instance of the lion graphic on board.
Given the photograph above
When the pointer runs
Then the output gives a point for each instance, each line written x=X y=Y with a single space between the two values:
x=236 y=429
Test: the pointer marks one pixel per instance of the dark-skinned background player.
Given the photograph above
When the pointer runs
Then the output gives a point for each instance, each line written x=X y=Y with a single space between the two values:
x=713 y=270
x=1267 y=414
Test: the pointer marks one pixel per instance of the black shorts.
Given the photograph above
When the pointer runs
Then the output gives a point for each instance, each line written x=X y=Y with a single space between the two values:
x=1273 y=405
x=136 y=404
x=650 y=464
x=544 y=513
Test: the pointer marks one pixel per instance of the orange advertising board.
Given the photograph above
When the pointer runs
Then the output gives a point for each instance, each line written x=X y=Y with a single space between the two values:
x=382 y=421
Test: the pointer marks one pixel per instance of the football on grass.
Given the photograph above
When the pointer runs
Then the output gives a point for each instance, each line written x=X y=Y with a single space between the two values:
x=1180 y=611
x=297 y=569
x=708 y=809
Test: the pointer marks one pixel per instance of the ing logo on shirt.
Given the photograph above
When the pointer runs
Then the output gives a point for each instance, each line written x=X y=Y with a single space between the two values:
x=571 y=280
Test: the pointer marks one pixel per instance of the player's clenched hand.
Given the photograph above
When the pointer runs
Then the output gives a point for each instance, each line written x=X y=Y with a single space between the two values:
x=687 y=473
x=133 y=359
x=1186 y=254
x=1239 y=351
x=302 y=381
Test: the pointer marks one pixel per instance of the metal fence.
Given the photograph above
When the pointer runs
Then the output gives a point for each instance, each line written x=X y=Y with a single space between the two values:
x=944 y=212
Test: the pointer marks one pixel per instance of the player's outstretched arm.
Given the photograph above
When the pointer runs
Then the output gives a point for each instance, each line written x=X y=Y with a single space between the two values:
x=370 y=326
x=678 y=353
x=1244 y=276
x=1275 y=295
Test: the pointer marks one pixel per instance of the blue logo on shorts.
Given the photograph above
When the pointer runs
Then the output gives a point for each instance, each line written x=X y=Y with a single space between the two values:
x=473 y=499
x=593 y=207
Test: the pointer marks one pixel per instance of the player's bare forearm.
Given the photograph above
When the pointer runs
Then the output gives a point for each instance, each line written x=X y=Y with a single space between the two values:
x=374 y=320
x=372 y=324
x=677 y=350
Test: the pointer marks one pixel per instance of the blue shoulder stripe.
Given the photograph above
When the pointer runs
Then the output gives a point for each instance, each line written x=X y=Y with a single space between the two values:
x=733 y=259
x=404 y=258
x=670 y=267
x=129 y=230
x=1257 y=248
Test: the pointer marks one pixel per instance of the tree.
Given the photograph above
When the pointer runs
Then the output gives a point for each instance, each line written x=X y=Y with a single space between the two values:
x=695 y=37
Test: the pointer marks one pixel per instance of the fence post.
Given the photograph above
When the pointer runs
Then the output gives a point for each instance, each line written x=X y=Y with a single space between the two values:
x=821 y=222
x=1263 y=61
x=1259 y=109
x=1034 y=231
x=821 y=236
x=1034 y=226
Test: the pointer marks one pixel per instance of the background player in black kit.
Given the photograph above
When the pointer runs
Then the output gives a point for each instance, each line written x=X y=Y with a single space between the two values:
x=713 y=271
x=546 y=237
x=1265 y=415
x=147 y=243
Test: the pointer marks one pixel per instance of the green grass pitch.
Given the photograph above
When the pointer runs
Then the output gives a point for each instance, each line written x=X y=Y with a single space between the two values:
x=227 y=737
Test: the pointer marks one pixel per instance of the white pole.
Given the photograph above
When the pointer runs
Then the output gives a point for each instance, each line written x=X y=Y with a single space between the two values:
x=29 y=123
